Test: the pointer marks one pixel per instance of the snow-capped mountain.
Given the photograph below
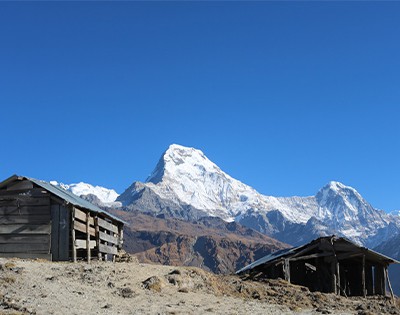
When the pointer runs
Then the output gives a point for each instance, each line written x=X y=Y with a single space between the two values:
x=96 y=194
x=395 y=213
x=185 y=183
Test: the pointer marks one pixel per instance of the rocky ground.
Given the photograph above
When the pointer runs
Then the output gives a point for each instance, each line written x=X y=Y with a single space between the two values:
x=41 y=287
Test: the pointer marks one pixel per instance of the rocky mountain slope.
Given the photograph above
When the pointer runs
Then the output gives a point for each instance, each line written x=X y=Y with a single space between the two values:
x=186 y=184
x=210 y=243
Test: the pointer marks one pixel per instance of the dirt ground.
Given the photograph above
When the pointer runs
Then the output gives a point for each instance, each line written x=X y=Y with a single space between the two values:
x=41 y=287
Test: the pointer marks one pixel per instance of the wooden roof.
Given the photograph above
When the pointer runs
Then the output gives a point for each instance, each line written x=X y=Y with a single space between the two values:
x=333 y=245
x=65 y=195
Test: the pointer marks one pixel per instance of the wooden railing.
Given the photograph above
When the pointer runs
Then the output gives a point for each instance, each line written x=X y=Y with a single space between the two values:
x=102 y=235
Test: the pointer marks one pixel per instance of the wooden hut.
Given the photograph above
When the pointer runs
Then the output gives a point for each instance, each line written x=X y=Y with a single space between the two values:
x=328 y=264
x=40 y=220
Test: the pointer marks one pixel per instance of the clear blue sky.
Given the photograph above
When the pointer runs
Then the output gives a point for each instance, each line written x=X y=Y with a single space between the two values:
x=284 y=96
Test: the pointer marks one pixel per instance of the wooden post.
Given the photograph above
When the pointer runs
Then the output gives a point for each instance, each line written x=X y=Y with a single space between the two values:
x=73 y=235
x=287 y=270
x=334 y=279
x=121 y=235
x=105 y=254
x=96 y=227
x=364 y=291
x=88 y=236
x=389 y=285
x=338 y=277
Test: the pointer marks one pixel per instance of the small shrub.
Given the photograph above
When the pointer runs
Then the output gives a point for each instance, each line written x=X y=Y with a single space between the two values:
x=153 y=283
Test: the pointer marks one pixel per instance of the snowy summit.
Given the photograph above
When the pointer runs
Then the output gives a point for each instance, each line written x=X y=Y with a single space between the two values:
x=105 y=195
x=184 y=177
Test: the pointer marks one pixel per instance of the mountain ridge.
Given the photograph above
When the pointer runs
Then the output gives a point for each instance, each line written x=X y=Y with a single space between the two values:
x=185 y=184
x=190 y=181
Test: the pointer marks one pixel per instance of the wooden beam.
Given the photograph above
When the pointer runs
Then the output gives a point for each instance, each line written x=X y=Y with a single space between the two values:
x=389 y=285
x=31 y=193
x=73 y=234
x=20 y=185
x=24 y=238
x=338 y=278
x=43 y=248
x=88 y=236
x=82 y=216
x=82 y=244
x=97 y=231
x=81 y=227
x=108 y=225
x=287 y=270
x=24 y=201
x=364 y=290
x=305 y=250
x=334 y=278
x=311 y=267
x=344 y=256
x=108 y=249
x=108 y=238
x=25 y=228
x=312 y=256
x=121 y=235
x=25 y=219
x=24 y=210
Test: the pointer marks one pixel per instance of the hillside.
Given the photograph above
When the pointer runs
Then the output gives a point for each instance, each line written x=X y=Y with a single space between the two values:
x=40 y=287
x=209 y=243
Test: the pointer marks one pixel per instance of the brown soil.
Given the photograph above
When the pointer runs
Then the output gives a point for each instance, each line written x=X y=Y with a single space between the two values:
x=40 y=287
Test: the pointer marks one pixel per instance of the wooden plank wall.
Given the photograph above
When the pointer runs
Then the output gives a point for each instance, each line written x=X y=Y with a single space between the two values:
x=25 y=222
x=94 y=234
x=35 y=224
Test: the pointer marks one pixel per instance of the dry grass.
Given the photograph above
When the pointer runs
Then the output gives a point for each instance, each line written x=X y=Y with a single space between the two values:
x=10 y=265
x=7 y=279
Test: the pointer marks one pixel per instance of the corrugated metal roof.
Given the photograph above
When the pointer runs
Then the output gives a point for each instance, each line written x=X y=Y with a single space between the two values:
x=291 y=251
x=273 y=256
x=65 y=195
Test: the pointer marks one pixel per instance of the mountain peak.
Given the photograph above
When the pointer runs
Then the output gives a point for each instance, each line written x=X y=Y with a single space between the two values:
x=337 y=187
x=176 y=151
x=334 y=188
x=334 y=185
x=105 y=195
x=178 y=161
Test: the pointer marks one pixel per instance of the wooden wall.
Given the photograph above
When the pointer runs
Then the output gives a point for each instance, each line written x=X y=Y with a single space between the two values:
x=37 y=224
x=25 y=223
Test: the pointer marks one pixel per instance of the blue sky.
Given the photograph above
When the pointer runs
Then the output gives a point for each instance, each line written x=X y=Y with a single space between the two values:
x=284 y=96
